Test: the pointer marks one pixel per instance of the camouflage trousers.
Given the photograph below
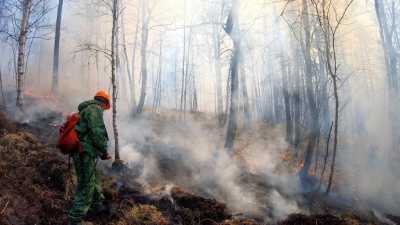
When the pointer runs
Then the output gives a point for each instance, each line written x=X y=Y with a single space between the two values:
x=88 y=195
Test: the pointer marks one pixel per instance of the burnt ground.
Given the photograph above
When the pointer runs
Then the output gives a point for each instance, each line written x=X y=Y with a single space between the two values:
x=37 y=188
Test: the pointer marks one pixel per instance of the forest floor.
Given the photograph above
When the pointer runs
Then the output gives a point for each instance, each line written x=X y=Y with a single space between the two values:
x=37 y=188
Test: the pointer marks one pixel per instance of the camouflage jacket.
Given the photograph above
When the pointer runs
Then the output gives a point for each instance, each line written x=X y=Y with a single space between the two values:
x=91 y=130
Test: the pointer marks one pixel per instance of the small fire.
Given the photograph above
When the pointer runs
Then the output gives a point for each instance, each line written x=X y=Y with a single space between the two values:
x=301 y=164
x=47 y=97
x=287 y=156
x=47 y=101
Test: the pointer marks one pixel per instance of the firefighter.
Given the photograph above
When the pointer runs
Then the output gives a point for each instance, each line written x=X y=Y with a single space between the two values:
x=93 y=138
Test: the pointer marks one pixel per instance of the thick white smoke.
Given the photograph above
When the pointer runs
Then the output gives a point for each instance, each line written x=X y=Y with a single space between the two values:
x=190 y=154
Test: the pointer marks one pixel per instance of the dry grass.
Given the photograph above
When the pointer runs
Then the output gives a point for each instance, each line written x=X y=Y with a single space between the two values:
x=32 y=182
x=143 y=215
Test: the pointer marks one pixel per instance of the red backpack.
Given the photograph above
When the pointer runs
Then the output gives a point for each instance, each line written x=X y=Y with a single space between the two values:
x=68 y=141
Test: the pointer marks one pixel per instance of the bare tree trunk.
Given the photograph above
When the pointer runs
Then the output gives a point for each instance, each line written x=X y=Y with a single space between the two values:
x=323 y=92
x=328 y=140
x=217 y=67
x=2 y=21
x=185 y=68
x=187 y=74
x=143 y=53
x=329 y=36
x=387 y=33
x=157 y=92
x=227 y=97
x=286 y=99
x=22 y=39
x=126 y=60
x=388 y=47
x=133 y=85
x=56 y=57
x=276 y=100
x=39 y=64
x=183 y=82
x=297 y=106
x=176 y=83
x=246 y=104
x=3 y=98
x=231 y=28
x=335 y=132
x=232 y=117
x=195 y=104
x=114 y=33
x=96 y=57
x=314 y=114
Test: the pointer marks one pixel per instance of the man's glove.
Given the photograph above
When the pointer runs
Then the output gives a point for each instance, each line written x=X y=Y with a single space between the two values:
x=105 y=157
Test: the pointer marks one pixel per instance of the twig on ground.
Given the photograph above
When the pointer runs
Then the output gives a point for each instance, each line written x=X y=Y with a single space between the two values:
x=5 y=207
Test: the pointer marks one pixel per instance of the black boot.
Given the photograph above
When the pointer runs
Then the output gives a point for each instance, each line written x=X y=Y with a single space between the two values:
x=101 y=209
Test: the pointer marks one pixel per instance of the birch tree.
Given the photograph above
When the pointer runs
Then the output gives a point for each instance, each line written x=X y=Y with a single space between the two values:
x=25 y=21
x=26 y=8
x=114 y=61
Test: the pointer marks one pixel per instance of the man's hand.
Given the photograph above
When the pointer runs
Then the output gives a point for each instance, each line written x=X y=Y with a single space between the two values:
x=106 y=157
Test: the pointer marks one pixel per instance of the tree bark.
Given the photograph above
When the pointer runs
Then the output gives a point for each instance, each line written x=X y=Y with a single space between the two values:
x=133 y=85
x=195 y=103
x=22 y=39
x=329 y=32
x=217 y=68
x=335 y=133
x=114 y=33
x=231 y=28
x=286 y=99
x=143 y=54
x=314 y=114
x=3 y=98
x=297 y=106
x=245 y=95
x=157 y=92
x=128 y=86
x=388 y=47
x=387 y=32
x=56 y=57
x=183 y=86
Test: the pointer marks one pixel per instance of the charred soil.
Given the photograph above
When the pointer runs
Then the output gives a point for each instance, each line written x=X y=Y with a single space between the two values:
x=37 y=188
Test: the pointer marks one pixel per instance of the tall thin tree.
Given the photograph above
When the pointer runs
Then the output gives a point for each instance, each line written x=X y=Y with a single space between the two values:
x=56 y=56
x=22 y=41
x=231 y=28
x=114 y=61
x=310 y=91
x=143 y=54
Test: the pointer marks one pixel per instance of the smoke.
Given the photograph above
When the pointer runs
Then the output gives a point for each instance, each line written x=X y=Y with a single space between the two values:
x=367 y=168
x=368 y=164
x=189 y=154
x=283 y=207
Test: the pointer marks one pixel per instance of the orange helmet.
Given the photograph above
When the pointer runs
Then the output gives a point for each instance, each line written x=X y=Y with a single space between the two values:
x=103 y=94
